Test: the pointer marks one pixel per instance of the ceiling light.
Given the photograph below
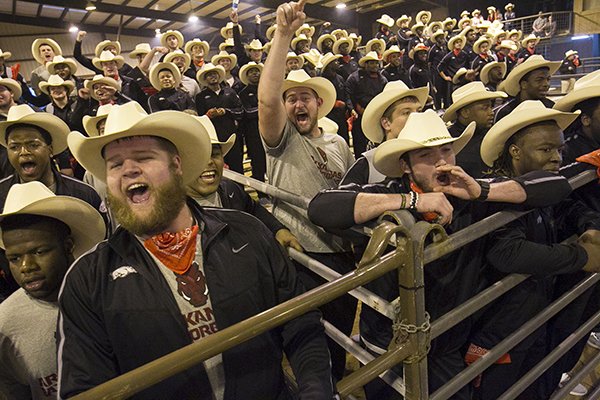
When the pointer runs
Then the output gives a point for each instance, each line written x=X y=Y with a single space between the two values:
x=340 y=5
x=73 y=29
x=193 y=19
x=90 y=6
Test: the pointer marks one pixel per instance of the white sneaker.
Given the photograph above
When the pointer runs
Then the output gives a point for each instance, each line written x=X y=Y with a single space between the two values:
x=578 y=391
x=594 y=340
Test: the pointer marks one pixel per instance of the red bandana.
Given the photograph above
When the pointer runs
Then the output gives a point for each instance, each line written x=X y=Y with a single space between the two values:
x=456 y=52
x=175 y=250
x=346 y=59
x=427 y=216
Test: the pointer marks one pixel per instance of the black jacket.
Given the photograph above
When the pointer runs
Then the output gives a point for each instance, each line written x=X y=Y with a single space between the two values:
x=227 y=99
x=512 y=103
x=171 y=99
x=398 y=73
x=361 y=88
x=469 y=157
x=578 y=144
x=452 y=63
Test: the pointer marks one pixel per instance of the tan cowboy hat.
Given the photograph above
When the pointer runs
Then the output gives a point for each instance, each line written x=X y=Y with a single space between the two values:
x=570 y=53
x=370 y=56
x=462 y=71
x=511 y=83
x=509 y=5
x=484 y=75
x=208 y=67
x=23 y=114
x=341 y=32
x=89 y=84
x=413 y=137
x=392 y=92
x=291 y=55
x=56 y=81
x=227 y=43
x=271 y=31
x=476 y=11
x=34 y=198
x=466 y=30
x=418 y=47
x=214 y=138
x=35 y=48
x=227 y=27
x=370 y=43
x=223 y=54
x=464 y=14
x=386 y=20
x=155 y=70
x=170 y=32
x=496 y=38
x=463 y=21
x=449 y=20
x=479 y=42
x=197 y=42
x=268 y=46
x=392 y=50
x=328 y=125
x=491 y=8
x=433 y=25
x=454 y=39
x=300 y=38
x=140 y=48
x=468 y=94
x=336 y=45
x=416 y=26
x=322 y=38
x=421 y=13
x=108 y=56
x=508 y=44
x=186 y=133
x=515 y=32
x=355 y=36
x=439 y=33
x=313 y=57
x=255 y=44
x=90 y=123
x=403 y=18
x=246 y=68
x=305 y=27
x=51 y=66
x=323 y=87
x=178 y=53
x=585 y=88
x=104 y=44
x=5 y=54
x=328 y=59
x=529 y=38
x=13 y=86
x=527 y=113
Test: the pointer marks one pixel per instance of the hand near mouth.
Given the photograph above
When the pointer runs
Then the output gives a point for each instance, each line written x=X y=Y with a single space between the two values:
x=459 y=183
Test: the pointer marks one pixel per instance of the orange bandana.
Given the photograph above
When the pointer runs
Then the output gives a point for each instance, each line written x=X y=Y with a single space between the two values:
x=427 y=216
x=175 y=250
x=591 y=158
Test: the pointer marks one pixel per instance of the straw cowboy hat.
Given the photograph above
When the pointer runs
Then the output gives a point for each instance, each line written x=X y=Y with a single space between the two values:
x=421 y=14
x=402 y=19
x=336 y=45
x=178 y=53
x=301 y=37
x=585 y=88
x=476 y=11
x=370 y=43
x=170 y=32
x=305 y=27
x=55 y=81
x=485 y=24
x=223 y=54
x=416 y=26
x=570 y=53
x=89 y=122
x=370 y=56
x=328 y=59
x=13 y=86
x=464 y=14
x=140 y=48
x=413 y=137
x=515 y=32
x=313 y=57
x=449 y=20
x=392 y=92
x=155 y=70
x=246 y=68
x=340 y=32
x=208 y=67
x=291 y=55
x=322 y=38
x=433 y=24
x=453 y=39
x=186 y=133
x=108 y=56
x=197 y=42
x=105 y=80
x=354 y=36
x=392 y=50
x=499 y=36
x=439 y=33
x=23 y=114
x=100 y=47
x=51 y=66
x=229 y=27
x=328 y=125
x=491 y=8
x=85 y=223
x=479 y=42
x=484 y=75
x=462 y=71
x=386 y=20
x=511 y=84
x=470 y=93
x=418 y=47
x=255 y=44
x=268 y=46
x=5 y=54
x=508 y=44
x=464 y=21
x=37 y=43
x=509 y=5
x=527 y=113
x=271 y=31
x=323 y=87
x=529 y=38
x=214 y=138
x=227 y=43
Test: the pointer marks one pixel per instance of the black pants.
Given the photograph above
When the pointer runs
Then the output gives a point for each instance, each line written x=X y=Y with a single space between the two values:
x=338 y=115
x=256 y=151
x=441 y=98
x=359 y=140
x=234 y=158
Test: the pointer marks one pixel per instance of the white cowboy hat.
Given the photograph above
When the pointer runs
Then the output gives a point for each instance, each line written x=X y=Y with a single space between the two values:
x=197 y=42
x=104 y=44
x=433 y=24
x=227 y=43
x=322 y=38
x=23 y=114
x=484 y=75
x=392 y=92
x=454 y=39
x=177 y=34
x=89 y=84
x=392 y=50
x=268 y=47
x=313 y=57
x=56 y=81
x=416 y=26
x=585 y=88
x=509 y=5
x=227 y=27
x=464 y=21
x=155 y=70
x=515 y=32
x=186 y=133
x=108 y=56
x=511 y=83
x=90 y=123
x=403 y=18
x=508 y=44
x=469 y=94
x=328 y=125
x=51 y=66
x=529 y=38
x=413 y=137
x=34 y=198
x=449 y=20
x=323 y=87
x=305 y=27
x=255 y=44
x=223 y=54
x=497 y=34
x=300 y=38
x=140 y=48
x=13 y=86
x=178 y=53
x=5 y=54
x=459 y=74
x=336 y=45
x=291 y=55
x=370 y=56
x=418 y=47
x=386 y=20
x=464 y=14
x=372 y=42
x=246 y=68
x=328 y=59
x=479 y=42
x=485 y=24
x=341 y=32
x=527 y=113
x=570 y=53
x=37 y=43
x=355 y=36
x=421 y=13
x=208 y=67
x=271 y=31
x=214 y=138
x=476 y=11
x=439 y=33
x=491 y=8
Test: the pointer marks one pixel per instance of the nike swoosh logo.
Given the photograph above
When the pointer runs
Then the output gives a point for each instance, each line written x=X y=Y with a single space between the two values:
x=235 y=251
x=231 y=195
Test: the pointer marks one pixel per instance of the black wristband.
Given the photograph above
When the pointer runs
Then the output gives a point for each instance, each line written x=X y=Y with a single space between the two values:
x=485 y=190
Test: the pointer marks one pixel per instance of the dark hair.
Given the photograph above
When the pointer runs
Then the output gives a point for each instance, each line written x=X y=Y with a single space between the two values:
x=165 y=69
x=163 y=143
x=45 y=134
x=588 y=106
x=527 y=75
x=392 y=107
x=22 y=221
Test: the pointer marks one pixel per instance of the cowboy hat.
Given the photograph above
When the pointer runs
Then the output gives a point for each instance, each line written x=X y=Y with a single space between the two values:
x=313 y=57
x=268 y=47
x=509 y=5
x=323 y=87
x=515 y=32
x=439 y=33
x=392 y=50
x=90 y=123
x=170 y=32
x=491 y=8
x=23 y=114
x=223 y=54
x=336 y=45
x=227 y=27
x=476 y=11
x=208 y=67
x=527 y=113
x=462 y=71
x=178 y=53
x=418 y=47
x=585 y=88
x=51 y=66
x=454 y=39
x=271 y=31
x=370 y=56
x=464 y=14
x=246 y=68
x=227 y=43
x=107 y=56
x=37 y=43
x=105 y=80
x=479 y=42
x=449 y=20
x=155 y=71
x=341 y=32
x=422 y=130
x=386 y=20
x=328 y=59
x=370 y=43
x=464 y=21
x=354 y=36
x=433 y=24
x=56 y=81
x=140 y=48
x=470 y=93
x=305 y=27
x=322 y=38
x=291 y=55
x=255 y=44
x=416 y=26
x=13 y=86
x=402 y=19
x=392 y=92
x=484 y=75
x=508 y=44
x=570 y=53
x=511 y=83
x=197 y=42
x=100 y=47
x=421 y=14
x=5 y=54
x=485 y=24
x=300 y=38
x=186 y=133
x=214 y=138
x=497 y=36
x=34 y=198
x=529 y=38
x=328 y=125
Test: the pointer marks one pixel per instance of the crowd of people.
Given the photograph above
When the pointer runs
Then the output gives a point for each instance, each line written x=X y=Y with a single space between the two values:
x=122 y=242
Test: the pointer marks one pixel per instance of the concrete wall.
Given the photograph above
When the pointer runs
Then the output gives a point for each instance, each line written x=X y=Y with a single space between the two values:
x=587 y=16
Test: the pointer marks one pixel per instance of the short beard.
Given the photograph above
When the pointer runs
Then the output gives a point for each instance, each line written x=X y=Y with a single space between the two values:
x=308 y=130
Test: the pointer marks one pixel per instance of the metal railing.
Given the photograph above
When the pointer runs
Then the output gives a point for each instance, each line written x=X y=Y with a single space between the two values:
x=562 y=19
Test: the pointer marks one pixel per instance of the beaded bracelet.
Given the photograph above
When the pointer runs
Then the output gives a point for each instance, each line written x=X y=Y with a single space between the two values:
x=414 y=198
x=403 y=205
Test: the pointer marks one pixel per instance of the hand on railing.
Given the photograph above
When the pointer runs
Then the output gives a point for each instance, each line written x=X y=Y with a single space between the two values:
x=435 y=203
x=287 y=239
x=590 y=241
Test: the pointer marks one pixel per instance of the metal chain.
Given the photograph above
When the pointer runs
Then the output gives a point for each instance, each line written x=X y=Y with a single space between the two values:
x=408 y=329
